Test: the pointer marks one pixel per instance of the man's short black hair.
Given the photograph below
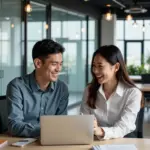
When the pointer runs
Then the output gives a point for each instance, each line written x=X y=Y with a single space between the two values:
x=45 y=47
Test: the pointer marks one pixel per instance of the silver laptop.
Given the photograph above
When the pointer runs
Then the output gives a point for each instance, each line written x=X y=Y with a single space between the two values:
x=66 y=130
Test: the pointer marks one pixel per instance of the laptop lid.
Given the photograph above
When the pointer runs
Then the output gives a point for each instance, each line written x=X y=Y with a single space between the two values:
x=64 y=130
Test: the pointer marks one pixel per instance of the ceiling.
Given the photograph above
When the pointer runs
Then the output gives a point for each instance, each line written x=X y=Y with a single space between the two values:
x=101 y=4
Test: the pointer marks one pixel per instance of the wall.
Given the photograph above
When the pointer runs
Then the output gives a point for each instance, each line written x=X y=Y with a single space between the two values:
x=108 y=31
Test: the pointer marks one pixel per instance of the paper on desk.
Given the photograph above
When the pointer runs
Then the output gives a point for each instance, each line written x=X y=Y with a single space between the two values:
x=115 y=147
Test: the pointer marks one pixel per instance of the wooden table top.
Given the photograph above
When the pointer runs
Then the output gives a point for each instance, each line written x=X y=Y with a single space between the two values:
x=141 y=144
x=143 y=87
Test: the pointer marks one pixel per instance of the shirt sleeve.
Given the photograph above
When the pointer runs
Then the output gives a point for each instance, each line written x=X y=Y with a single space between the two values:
x=126 y=124
x=85 y=109
x=16 y=124
x=62 y=108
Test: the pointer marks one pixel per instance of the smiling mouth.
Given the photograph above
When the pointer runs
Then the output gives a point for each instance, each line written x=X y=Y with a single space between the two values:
x=55 y=74
x=100 y=77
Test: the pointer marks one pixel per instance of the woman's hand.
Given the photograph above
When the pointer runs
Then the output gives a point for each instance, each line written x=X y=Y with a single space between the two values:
x=98 y=131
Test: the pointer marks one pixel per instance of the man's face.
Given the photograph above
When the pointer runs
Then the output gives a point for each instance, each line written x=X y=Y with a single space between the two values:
x=51 y=67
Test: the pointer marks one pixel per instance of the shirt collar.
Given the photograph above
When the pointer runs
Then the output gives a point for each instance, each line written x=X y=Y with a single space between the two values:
x=34 y=85
x=119 y=90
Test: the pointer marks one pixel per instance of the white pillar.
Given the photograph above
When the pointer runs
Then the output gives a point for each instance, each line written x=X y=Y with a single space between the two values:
x=108 y=31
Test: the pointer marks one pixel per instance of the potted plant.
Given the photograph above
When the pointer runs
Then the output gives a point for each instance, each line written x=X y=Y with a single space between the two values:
x=136 y=70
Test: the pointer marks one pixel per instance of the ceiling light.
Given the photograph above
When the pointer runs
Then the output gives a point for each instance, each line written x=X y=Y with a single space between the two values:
x=143 y=28
x=129 y=17
x=28 y=7
x=86 y=0
x=108 y=16
x=108 y=5
x=46 y=26
x=135 y=24
x=12 y=25
x=135 y=10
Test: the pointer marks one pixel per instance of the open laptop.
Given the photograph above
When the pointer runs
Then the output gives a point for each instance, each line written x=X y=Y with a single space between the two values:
x=66 y=130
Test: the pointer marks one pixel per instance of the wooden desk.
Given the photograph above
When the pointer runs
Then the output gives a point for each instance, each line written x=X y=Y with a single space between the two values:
x=143 y=87
x=141 y=144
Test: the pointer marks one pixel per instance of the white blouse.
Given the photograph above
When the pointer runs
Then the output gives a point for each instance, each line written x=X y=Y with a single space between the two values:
x=117 y=115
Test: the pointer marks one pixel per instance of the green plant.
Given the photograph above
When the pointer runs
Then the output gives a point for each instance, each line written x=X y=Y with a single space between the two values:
x=136 y=70
x=148 y=62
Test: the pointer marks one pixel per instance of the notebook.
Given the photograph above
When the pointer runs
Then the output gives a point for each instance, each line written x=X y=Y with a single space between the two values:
x=115 y=147
x=3 y=143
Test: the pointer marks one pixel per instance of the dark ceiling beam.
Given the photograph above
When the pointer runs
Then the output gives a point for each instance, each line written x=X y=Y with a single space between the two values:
x=78 y=6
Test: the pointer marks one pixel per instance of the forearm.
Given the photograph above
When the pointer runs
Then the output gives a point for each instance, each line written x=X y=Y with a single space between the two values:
x=117 y=132
x=23 y=129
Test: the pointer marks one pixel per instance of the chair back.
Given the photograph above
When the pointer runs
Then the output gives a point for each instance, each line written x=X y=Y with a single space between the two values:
x=145 y=78
x=138 y=133
x=3 y=115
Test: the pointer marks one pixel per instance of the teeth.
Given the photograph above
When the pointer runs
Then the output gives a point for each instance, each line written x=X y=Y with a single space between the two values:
x=99 y=76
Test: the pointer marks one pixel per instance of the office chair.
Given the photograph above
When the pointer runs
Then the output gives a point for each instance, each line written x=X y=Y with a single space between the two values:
x=3 y=116
x=138 y=133
x=146 y=80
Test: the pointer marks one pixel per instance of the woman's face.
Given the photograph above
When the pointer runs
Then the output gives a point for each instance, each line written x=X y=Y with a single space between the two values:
x=103 y=70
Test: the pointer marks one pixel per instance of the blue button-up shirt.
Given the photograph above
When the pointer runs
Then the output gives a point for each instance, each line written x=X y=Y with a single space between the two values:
x=27 y=102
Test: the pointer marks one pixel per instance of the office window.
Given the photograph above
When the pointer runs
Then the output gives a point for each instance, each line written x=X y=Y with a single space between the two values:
x=120 y=45
x=120 y=30
x=133 y=32
x=147 y=54
x=147 y=30
x=134 y=53
x=10 y=42
x=36 y=22
x=72 y=29
x=56 y=29
x=69 y=29
x=136 y=42
x=92 y=43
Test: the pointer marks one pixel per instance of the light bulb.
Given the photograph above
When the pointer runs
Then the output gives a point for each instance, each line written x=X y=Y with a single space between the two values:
x=135 y=24
x=12 y=25
x=129 y=17
x=108 y=16
x=143 y=28
x=46 y=26
x=28 y=8
x=108 y=5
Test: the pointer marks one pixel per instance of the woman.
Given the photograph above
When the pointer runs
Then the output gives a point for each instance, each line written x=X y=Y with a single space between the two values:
x=111 y=96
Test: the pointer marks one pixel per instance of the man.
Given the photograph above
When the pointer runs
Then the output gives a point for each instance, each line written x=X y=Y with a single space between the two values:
x=39 y=93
